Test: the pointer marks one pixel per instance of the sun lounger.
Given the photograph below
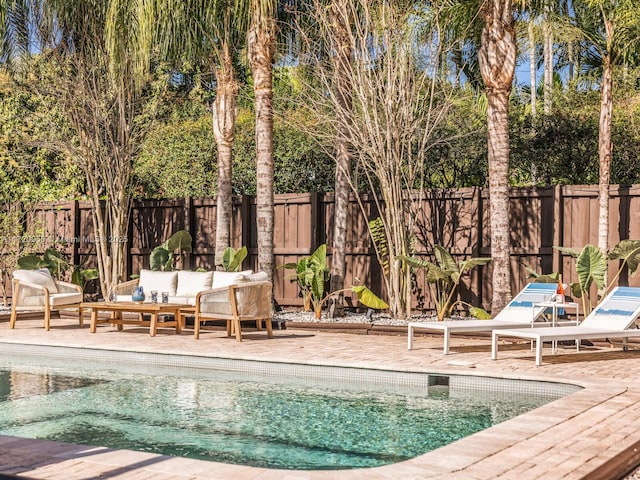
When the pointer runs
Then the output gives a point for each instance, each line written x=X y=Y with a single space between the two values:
x=520 y=312
x=612 y=318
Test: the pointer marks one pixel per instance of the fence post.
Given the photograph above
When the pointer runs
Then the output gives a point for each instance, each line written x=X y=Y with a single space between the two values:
x=479 y=223
x=189 y=225
x=246 y=237
x=556 y=256
x=314 y=216
x=75 y=220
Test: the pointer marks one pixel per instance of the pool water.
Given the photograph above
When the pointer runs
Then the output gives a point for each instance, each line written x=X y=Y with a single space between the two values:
x=235 y=418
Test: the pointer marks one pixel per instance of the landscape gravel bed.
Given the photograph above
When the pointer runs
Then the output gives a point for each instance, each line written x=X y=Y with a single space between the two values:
x=293 y=316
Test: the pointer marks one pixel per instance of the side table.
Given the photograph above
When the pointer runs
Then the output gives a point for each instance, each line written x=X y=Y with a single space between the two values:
x=555 y=307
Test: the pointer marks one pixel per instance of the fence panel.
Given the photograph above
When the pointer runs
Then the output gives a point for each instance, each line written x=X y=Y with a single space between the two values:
x=153 y=222
x=456 y=219
x=203 y=231
x=295 y=236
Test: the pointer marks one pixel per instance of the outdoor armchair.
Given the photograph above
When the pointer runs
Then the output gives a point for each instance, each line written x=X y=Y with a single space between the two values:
x=38 y=290
x=243 y=301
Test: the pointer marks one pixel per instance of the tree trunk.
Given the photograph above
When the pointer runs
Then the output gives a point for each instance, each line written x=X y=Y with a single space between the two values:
x=532 y=67
x=342 y=85
x=224 y=126
x=534 y=92
x=604 y=154
x=498 y=127
x=497 y=58
x=548 y=60
x=573 y=67
x=261 y=45
x=605 y=146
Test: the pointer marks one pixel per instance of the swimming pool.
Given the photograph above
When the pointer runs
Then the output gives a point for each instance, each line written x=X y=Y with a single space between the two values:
x=255 y=413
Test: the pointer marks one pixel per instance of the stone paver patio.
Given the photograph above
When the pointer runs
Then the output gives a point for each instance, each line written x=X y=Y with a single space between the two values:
x=575 y=437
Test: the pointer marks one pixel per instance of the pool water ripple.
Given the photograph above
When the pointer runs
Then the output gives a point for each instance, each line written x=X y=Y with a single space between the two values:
x=228 y=418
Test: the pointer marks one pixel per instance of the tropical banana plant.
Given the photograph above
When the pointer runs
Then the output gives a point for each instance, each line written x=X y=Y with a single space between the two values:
x=365 y=297
x=232 y=259
x=443 y=278
x=312 y=273
x=51 y=259
x=167 y=255
x=591 y=267
x=378 y=235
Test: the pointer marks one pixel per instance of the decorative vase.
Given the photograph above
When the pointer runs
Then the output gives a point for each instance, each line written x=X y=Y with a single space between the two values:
x=138 y=295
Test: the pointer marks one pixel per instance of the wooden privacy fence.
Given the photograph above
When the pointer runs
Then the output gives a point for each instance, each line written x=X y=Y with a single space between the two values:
x=456 y=219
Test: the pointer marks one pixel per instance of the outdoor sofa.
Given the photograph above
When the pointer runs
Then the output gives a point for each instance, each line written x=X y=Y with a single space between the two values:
x=234 y=297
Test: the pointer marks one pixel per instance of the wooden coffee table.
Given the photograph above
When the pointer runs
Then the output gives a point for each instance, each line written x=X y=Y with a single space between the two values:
x=153 y=309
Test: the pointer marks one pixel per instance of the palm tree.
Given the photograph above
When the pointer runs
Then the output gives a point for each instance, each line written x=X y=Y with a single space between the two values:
x=14 y=30
x=210 y=32
x=497 y=59
x=611 y=31
x=342 y=85
x=531 y=26
x=261 y=40
x=547 y=33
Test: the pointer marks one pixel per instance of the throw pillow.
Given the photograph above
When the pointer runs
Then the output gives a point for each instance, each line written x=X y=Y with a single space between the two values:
x=159 y=281
x=190 y=283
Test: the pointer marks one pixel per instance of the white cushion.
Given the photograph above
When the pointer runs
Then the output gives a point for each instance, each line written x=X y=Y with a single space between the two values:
x=183 y=300
x=159 y=281
x=224 y=279
x=190 y=283
x=41 y=277
x=59 y=299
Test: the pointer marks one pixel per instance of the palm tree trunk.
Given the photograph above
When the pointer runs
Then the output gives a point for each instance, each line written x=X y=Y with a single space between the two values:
x=343 y=88
x=548 y=60
x=498 y=127
x=573 y=67
x=533 y=86
x=224 y=125
x=605 y=146
x=497 y=58
x=532 y=67
x=604 y=154
x=261 y=45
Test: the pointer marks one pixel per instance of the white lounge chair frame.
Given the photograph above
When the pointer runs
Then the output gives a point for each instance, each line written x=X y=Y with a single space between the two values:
x=612 y=318
x=519 y=312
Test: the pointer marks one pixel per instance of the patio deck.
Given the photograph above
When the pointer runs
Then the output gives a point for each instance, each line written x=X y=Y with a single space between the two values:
x=580 y=436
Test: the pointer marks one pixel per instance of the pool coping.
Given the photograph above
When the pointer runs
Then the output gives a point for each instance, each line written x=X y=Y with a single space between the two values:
x=519 y=436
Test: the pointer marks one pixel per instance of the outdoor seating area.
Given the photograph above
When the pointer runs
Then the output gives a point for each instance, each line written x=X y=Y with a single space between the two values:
x=235 y=304
x=233 y=297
